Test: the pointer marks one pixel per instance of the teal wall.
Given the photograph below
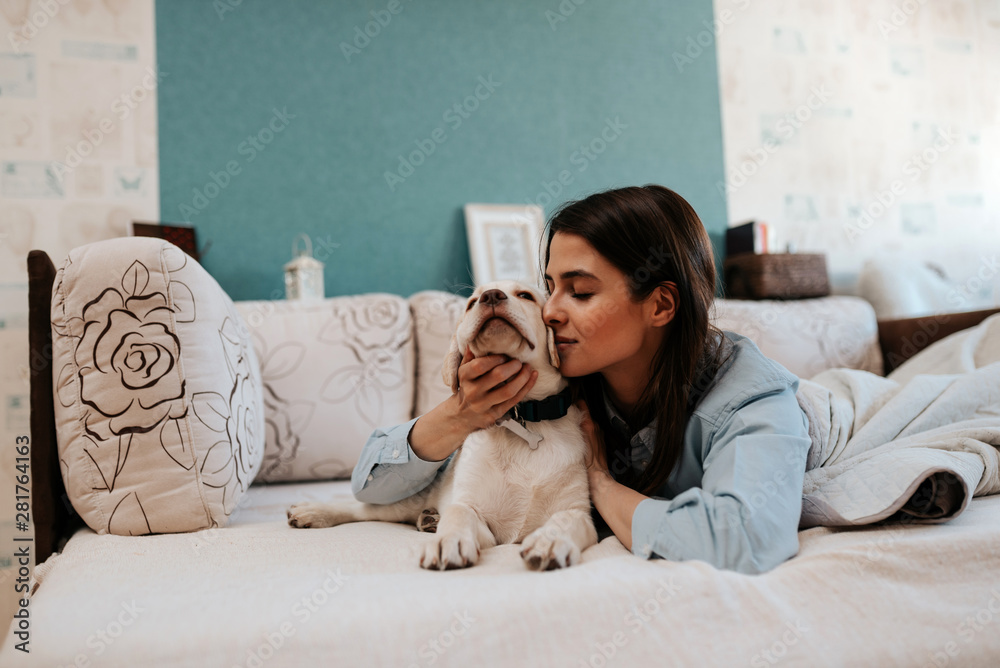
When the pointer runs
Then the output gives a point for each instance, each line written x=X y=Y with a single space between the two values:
x=350 y=118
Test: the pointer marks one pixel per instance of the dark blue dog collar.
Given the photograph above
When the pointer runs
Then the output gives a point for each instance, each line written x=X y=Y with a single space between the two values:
x=549 y=408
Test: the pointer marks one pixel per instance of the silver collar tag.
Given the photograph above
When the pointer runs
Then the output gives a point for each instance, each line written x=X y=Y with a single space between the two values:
x=530 y=437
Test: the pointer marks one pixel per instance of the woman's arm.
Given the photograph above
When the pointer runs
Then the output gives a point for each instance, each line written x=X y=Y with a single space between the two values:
x=388 y=469
x=399 y=462
x=745 y=515
x=614 y=501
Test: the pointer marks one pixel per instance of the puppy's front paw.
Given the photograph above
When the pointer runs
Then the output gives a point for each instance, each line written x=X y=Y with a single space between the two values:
x=449 y=551
x=544 y=551
x=310 y=515
x=428 y=520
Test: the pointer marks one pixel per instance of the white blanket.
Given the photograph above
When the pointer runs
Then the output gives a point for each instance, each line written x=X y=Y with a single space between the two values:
x=921 y=442
x=259 y=594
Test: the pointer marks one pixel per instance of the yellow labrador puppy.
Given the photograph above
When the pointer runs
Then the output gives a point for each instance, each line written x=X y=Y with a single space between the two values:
x=521 y=481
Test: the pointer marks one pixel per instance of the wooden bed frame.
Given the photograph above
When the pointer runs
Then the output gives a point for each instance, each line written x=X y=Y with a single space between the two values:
x=54 y=518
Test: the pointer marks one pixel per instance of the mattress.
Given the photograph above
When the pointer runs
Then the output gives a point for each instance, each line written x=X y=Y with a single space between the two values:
x=258 y=593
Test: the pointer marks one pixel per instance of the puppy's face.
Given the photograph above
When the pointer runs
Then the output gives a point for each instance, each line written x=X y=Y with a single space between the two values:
x=503 y=318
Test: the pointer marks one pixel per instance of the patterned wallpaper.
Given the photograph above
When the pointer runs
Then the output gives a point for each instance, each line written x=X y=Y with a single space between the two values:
x=78 y=161
x=865 y=127
x=78 y=137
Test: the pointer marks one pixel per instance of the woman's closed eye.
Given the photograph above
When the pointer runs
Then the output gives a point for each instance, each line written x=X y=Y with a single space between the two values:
x=582 y=296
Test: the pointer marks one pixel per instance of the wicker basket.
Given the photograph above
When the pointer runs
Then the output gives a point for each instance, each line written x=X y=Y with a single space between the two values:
x=776 y=276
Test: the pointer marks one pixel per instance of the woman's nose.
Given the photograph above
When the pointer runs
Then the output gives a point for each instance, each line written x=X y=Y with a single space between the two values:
x=551 y=313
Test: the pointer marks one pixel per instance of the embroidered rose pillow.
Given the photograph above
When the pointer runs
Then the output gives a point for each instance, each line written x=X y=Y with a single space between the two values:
x=333 y=370
x=158 y=405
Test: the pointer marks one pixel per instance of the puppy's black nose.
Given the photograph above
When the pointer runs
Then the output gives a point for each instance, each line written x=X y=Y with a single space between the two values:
x=492 y=297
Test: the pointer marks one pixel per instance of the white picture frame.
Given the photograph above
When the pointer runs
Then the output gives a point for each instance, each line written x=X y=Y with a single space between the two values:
x=504 y=241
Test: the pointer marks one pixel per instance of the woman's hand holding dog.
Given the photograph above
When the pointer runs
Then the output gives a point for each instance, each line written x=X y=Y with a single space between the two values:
x=488 y=387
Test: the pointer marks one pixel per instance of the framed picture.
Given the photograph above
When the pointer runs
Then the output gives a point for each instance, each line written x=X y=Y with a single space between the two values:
x=504 y=241
x=182 y=236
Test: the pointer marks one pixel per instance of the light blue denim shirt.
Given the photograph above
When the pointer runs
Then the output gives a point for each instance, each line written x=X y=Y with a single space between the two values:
x=734 y=498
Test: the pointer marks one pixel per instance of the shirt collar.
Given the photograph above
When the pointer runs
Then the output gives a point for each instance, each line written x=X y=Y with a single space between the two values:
x=641 y=442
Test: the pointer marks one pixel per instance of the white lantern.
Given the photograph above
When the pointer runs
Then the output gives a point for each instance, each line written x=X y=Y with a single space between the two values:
x=304 y=274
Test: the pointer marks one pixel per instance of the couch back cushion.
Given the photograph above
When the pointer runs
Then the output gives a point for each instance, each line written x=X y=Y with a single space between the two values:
x=435 y=318
x=158 y=406
x=333 y=371
x=807 y=336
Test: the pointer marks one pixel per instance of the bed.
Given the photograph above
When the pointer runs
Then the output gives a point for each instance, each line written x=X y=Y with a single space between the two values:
x=895 y=591
x=257 y=593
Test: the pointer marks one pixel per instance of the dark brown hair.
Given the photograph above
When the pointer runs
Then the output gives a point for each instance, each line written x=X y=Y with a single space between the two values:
x=653 y=236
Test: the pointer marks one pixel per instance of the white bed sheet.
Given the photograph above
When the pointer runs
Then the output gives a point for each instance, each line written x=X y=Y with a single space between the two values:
x=258 y=593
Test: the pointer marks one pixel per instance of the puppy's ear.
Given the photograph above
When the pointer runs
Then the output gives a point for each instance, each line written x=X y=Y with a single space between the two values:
x=449 y=370
x=550 y=338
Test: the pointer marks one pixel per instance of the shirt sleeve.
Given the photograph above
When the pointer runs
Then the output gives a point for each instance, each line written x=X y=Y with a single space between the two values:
x=388 y=469
x=745 y=515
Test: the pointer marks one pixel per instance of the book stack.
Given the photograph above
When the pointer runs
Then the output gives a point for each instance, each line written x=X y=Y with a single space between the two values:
x=753 y=270
x=749 y=237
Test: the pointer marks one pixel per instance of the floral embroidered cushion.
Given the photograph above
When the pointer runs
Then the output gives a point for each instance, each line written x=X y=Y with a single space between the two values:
x=435 y=317
x=807 y=336
x=333 y=370
x=158 y=404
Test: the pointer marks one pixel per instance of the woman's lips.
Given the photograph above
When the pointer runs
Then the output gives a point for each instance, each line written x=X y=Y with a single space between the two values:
x=563 y=344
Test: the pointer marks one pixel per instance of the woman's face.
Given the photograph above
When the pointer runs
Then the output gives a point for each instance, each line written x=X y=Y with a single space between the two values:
x=598 y=327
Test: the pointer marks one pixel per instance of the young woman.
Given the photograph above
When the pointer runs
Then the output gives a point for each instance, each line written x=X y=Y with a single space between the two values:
x=698 y=445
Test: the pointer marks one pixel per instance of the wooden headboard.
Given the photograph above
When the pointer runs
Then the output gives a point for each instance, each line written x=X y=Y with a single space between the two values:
x=52 y=515
x=902 y=339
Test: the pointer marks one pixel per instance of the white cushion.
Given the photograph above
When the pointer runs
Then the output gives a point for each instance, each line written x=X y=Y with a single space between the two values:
x=807 y=336
x=159 y=414
x=898 y=286
x=435 y=318
x=333 y=371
